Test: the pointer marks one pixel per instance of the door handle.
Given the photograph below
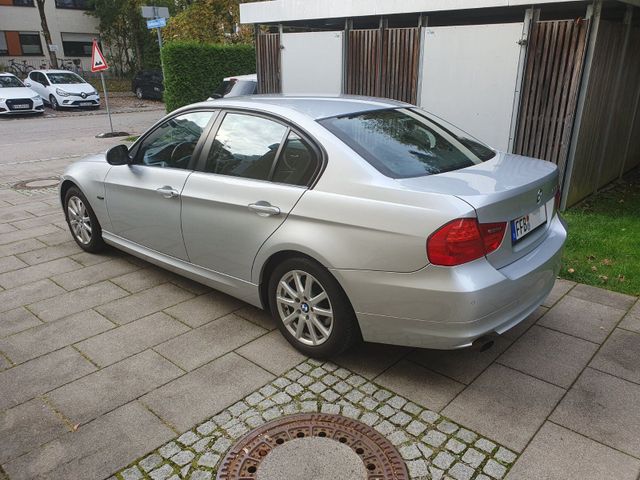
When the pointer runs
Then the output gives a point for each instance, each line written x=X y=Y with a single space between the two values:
x=264 y=209
x=167 y=191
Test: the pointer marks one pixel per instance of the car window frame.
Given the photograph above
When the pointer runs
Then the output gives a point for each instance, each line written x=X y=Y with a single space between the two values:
x=317 y=150
x=134 y=149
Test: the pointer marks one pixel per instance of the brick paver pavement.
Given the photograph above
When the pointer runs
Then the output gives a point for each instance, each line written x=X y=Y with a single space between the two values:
x=111 y=366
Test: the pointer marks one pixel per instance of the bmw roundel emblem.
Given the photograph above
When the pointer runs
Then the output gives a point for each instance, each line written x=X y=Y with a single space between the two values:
x=539 y=196
x=305 y=308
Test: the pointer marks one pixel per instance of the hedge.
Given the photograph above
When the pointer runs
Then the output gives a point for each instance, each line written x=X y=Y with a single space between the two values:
x=193 y=70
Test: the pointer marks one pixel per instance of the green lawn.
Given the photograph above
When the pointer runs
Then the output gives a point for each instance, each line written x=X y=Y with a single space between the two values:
x=603 y=248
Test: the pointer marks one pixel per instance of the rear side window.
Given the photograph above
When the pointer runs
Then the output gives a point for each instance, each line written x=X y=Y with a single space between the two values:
x=296 y=163
x=245 y=146
x=401 y=143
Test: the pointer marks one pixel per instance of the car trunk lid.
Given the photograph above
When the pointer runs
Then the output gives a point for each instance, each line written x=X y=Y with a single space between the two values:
x=502 y=189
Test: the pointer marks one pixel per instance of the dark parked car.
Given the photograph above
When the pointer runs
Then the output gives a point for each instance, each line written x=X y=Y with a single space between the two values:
x=148 y=84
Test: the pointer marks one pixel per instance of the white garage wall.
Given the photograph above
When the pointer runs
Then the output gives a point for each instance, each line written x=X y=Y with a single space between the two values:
x=312 y=62
x=469 y=77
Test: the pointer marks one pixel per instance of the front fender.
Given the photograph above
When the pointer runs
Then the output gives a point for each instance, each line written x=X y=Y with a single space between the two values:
x=88 y=175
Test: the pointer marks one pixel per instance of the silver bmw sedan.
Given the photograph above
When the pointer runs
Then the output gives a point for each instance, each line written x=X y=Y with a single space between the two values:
x=347 y=218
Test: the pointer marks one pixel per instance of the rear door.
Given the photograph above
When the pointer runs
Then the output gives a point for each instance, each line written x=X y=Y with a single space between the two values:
x=250 y=176
x=143 y=199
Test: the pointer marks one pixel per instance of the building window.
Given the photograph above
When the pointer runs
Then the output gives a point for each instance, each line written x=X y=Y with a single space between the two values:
x=77 y=44
x=17 y=3
x=77 y=4
x=20 y=43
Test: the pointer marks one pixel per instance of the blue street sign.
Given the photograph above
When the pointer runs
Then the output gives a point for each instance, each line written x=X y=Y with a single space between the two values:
x=156 y=23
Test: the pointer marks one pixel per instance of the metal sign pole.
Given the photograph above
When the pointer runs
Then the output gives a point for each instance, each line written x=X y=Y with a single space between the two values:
x=160 y=47
x=106 y=100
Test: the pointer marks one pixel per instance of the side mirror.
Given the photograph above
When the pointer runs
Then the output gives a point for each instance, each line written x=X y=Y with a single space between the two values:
x=118 y=155
x=216 y=96
x=27 y=84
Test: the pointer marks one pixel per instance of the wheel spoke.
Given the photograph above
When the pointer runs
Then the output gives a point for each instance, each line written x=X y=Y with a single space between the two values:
x=318 y=298
x=85 y=236
x=312 y=331
x=323 y=312
x=307 y=287
x=318 y=324
x=287 y=301
x=299 y=327
x=298 y=281
x=287 y=320
x=288 y=289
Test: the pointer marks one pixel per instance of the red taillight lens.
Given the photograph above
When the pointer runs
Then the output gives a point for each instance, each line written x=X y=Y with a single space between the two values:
x=463 y=240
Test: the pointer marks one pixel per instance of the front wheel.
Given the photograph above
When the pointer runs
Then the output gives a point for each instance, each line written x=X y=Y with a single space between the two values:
x=53 y=102
x=139 y=93
x=311 y=309
x=82 y=221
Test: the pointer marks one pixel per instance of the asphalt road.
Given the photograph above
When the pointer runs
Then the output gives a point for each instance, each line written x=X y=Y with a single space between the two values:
x=32 y=139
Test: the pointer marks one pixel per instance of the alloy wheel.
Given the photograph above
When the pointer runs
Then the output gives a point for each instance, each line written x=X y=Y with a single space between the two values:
x=79 y=220
x=304 y=307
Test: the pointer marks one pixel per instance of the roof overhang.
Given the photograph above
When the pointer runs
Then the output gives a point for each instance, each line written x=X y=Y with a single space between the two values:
x=277 y=11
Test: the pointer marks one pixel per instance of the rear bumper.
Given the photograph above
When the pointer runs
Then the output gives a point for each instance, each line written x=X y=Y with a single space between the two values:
x=448 y=308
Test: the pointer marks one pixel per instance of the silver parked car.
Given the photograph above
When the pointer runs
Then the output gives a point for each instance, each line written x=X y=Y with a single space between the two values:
x=345 y=217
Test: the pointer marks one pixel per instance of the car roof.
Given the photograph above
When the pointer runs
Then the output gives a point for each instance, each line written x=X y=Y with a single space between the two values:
x=51 y=71
x=7 y=74
x=252 y=77
x=314 y=106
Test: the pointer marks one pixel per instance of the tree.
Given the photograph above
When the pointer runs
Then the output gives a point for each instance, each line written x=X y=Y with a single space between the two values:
x=131 y=46
x=47 y=35
x=211 y=21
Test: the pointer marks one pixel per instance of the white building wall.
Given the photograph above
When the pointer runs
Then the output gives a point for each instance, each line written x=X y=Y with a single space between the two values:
x=59 y=20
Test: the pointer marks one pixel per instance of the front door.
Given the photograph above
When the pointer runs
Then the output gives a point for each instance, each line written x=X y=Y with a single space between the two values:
x=143 y=199
x=255 y=171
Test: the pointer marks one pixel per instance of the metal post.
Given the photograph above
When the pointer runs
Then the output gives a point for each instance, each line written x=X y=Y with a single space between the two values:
x=106 y=100
x=160 y=49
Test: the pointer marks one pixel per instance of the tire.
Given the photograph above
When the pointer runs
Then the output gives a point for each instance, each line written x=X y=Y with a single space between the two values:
x=340 y=333
x=54 y=103
x=75 y=201
x=139 y=93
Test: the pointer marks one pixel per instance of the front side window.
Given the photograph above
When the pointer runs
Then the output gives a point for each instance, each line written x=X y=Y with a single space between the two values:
x=64 y=78
x=172 y=144
x=9 y=81
x=403 y=143
x=245 y=146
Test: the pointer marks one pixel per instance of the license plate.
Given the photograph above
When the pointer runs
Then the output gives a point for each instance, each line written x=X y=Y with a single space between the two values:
x=520 y=227
x=86 y=104
x=21 y=106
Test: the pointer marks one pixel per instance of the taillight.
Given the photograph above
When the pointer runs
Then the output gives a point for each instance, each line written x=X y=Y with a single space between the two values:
x=463 y=240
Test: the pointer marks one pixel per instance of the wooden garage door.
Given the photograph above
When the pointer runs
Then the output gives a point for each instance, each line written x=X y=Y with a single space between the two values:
x=268 y=62
x=555 y=56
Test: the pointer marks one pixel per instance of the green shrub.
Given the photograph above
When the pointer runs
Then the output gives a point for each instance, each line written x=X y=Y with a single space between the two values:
x=193 y=70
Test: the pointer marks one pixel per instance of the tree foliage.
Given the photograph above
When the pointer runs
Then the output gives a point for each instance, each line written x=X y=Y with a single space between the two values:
x=193 y=70
x=211 y=21
x=131 y=46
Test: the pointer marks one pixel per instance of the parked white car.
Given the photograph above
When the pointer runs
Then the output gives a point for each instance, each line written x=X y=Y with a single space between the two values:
x=61 y=88
x=15 y=97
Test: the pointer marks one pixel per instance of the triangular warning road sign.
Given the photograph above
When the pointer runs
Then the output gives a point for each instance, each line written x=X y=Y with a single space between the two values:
x=98 y=63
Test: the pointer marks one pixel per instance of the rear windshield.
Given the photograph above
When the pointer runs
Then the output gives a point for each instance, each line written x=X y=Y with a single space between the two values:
x=405 y=142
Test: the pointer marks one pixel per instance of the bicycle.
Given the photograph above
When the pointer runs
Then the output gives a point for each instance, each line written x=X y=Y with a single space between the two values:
x=20 y=70
x=72 y=65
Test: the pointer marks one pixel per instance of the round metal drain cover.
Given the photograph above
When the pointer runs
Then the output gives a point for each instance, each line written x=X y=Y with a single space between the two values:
x=380 y=459
x=37 y=183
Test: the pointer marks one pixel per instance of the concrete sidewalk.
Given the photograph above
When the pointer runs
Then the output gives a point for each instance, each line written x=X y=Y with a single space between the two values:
x=105 y=360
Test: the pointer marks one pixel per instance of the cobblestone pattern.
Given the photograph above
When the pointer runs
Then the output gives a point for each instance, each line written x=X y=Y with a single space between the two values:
x=433 y=446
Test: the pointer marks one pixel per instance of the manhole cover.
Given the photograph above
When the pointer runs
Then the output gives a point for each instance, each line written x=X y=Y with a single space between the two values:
x=274 y=448
x=37 y=183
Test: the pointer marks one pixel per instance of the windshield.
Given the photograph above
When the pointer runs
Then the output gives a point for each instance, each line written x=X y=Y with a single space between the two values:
x=403 y=143
x=234 y=88
x=64 y=78
x=9 y=81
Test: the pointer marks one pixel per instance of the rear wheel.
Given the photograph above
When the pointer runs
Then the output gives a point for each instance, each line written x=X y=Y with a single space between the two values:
x=82 y=221
x=311 y=309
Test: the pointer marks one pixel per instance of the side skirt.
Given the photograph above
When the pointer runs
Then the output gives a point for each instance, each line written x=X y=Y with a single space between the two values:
x=241 y=289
